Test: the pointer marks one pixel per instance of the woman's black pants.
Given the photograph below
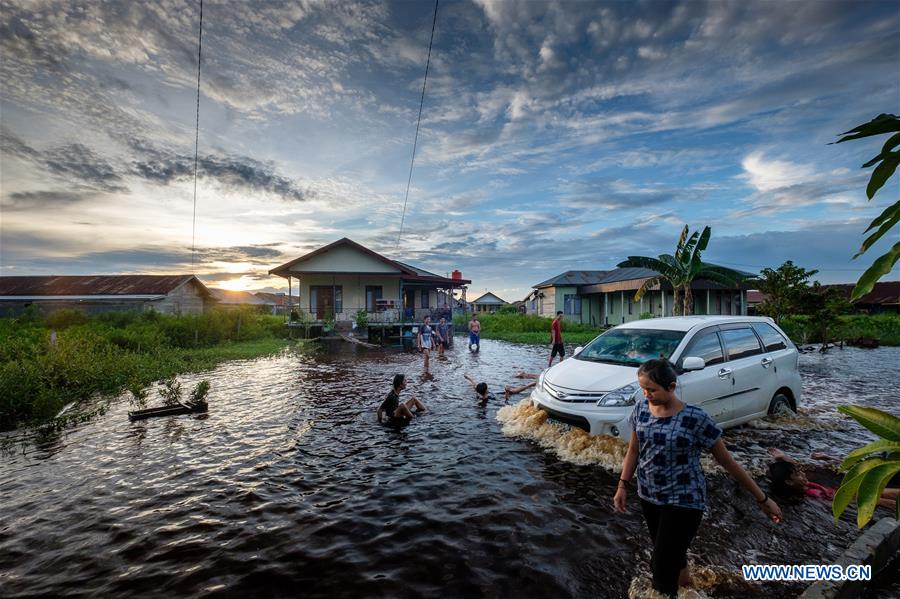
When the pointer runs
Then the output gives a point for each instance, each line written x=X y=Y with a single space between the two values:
x=672 y=529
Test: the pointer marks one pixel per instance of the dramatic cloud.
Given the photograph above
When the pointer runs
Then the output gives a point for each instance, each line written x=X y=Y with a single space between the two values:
x=69 y=162
x=554 y=134
x=234 y=172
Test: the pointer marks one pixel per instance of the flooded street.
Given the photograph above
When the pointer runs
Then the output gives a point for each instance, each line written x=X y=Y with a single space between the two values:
x=289 y=486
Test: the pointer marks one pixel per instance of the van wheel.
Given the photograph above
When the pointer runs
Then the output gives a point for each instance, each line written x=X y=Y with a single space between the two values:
x=780 y=404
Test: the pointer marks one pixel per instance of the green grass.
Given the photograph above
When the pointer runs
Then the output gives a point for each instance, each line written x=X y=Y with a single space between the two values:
x=884 y=327
x=535 y=330
x=108 y=353
x=519 y=328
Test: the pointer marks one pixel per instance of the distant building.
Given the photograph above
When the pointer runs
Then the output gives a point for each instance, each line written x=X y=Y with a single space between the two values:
x=278 y=303
x=488 y=303
x=344 y=277
x=602 y=298
x=170 y=294
x=884 y=297
x=225 y=298
x=754 y=298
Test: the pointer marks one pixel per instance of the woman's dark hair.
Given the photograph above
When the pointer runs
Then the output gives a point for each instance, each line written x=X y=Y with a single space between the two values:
x=481 y=388
x=779 y=473
x=660 y=371
x=398 y=380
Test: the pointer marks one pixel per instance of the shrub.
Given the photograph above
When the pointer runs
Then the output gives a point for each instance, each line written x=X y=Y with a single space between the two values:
x=62 y=319
x=170 y=391
x=200 y=392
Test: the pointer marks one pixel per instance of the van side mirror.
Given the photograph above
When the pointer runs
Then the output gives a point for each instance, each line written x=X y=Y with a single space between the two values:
x=578 y=350
x=692 y=363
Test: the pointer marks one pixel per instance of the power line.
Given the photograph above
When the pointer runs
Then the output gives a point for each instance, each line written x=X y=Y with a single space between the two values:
x=418 y=122
x=196 y=141
x=859 y=268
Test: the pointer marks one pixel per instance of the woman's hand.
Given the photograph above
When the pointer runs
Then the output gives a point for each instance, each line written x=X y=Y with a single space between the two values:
x=772 y=510
x=619 y=499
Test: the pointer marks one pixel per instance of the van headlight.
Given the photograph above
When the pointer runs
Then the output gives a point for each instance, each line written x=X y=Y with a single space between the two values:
x=623 y=396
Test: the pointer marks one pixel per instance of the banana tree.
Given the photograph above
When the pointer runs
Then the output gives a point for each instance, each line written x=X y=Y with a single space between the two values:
x=887 y=160
x=869 y=468
x=681 y=269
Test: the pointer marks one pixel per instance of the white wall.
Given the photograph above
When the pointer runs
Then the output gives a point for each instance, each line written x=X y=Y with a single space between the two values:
x=344 y=259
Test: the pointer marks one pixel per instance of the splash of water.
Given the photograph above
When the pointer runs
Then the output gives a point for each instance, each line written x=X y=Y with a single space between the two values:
x=706 y=583
x=571 y=445
x=576 y=446
x=787 y=420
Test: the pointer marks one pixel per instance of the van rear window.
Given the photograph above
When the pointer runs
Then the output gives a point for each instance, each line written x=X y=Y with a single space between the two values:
x=771 y=338
x=740 y=343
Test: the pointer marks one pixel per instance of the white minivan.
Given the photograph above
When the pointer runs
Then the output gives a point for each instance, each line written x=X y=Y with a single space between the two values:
x=736 y=368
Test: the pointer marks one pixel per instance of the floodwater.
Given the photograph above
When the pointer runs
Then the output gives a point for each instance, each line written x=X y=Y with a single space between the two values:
x=290 y=487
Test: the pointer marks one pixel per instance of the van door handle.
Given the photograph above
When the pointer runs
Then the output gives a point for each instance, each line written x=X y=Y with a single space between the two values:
x=724 y=373
x=766 y=362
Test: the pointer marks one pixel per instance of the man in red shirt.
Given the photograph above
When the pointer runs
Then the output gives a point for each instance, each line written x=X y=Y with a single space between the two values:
x=556 y=339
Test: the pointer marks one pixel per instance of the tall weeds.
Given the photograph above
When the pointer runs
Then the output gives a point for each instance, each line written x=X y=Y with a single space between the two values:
x=66 y=356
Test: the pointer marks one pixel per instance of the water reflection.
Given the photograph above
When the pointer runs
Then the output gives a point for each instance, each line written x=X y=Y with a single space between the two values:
x=288 y=482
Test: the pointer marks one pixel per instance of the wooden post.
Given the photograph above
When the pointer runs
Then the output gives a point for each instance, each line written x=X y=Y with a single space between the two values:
x=606 y=309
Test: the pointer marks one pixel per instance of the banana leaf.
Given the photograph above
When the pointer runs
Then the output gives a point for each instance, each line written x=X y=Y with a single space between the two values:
x=886 y=426
x=871 y=488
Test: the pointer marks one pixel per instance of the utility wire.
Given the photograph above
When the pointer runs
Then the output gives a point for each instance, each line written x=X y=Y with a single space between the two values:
x=196 y=141
x=418 y=122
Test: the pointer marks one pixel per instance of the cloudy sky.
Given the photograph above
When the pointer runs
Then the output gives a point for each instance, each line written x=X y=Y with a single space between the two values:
x=555 y=135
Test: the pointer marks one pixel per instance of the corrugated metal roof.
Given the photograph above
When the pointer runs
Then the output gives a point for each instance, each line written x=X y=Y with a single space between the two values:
x=885 y=292
x=489 y=298
x=278 y=299
x=226 y=296
x=574 y=277
x=94 y=285
x=594 y=277
x=628 y=274
x=419 y=271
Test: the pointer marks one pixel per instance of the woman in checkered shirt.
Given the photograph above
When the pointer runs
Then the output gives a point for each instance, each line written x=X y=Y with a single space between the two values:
x=664 y=450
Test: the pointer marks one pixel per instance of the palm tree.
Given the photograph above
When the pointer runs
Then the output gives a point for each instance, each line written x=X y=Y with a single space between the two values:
x=681 y=269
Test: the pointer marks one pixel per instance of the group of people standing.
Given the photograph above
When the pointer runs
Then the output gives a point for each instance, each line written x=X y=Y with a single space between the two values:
x=437 y=338
x=429 y=338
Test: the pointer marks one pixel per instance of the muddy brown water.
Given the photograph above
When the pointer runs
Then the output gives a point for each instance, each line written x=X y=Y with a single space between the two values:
x=289 y=487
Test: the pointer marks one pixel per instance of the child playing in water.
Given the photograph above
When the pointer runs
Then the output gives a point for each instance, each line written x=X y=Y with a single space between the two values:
x=443 y=333
x=398 y=412
x=510 y=391
x=664 y=450
x=426 y=340
x=481 y=390
x=787 y=478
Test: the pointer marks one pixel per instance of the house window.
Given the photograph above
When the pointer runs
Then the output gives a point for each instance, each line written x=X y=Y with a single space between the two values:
x=373 y=294
x=338 y=299
x=630 y=304
x=424 y=298
x=572 y=305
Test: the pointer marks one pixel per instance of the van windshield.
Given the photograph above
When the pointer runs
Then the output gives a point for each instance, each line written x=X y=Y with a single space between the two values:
x=631 y=347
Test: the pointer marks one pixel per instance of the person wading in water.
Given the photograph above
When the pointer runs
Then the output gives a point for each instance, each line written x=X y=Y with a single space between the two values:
x=556 y=339
x=668 y=436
